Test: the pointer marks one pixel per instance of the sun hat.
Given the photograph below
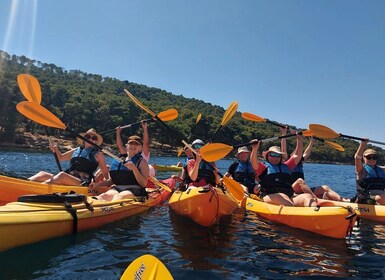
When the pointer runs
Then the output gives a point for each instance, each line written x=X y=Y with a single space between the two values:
x=135 y=139
x=197 y=142
x=272 y=149
x=370 y=152
x=91 y=131
x=243 y=149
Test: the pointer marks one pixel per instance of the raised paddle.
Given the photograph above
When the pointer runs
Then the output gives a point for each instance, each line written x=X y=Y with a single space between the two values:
x=146 y=267
x=326 y=132
x=41 y=115
x=231 y=184
x=55 y=156
x=29 y=87
x=229 y=113
x=168 y=115
x=217 y=151
x=255 y=118
x=180 y=151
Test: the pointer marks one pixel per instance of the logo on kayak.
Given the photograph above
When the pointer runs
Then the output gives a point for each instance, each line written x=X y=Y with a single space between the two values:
x=363 y=209
x=139 y=272
x=106 y=209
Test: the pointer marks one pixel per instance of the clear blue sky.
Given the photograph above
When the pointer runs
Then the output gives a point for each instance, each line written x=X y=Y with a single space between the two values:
x=292 y=61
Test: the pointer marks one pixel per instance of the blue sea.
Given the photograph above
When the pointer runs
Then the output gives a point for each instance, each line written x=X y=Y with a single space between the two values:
x=242 y=246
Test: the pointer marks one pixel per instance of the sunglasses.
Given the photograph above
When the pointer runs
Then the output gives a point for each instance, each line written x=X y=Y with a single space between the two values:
x=371 y=157
x=93 y=137
x=274 y=155
x=197 y=146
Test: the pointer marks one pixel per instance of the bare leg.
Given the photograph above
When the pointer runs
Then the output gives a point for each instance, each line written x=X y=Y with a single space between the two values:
x=299 y=186
x=41 y=176
x=326 y=193
x=123 y=195
x=305 y=200
x=278 y=198
x=64 y=179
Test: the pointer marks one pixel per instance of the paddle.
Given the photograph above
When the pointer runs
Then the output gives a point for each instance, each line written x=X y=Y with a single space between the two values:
x=146 y=267
x=231 y=184
x=31 y=90
x=229 y=113
x=217 y=151
x=180 y=151
x=254 y=118
x=168 y=115
x=41 y=115
x=326 y=132
x=29 y=87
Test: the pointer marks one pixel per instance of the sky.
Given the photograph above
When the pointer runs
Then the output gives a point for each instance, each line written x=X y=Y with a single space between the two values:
x=292 y=61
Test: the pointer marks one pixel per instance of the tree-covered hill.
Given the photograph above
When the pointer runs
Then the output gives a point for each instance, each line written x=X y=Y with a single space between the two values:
x=82 y=100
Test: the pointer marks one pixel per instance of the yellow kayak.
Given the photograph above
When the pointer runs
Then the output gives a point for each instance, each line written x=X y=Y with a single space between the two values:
x=12 y=188
x=331 y=221
x=28 y=222
x=366 y=211
x=167 y=168
x=204 y=205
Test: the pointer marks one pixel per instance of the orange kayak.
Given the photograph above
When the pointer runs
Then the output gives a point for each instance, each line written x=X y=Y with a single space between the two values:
x=204 y=205
x=331 y=221
x=28 y=222
x=366 y=211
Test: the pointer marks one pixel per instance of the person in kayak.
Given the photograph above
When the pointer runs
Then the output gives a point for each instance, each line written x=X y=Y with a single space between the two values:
x=184 y=175
x=322 y=191
x=128 y=178
x=242 y=171
x=370 y=178
x=84 y=160
x=275 y=177
x=201 y=173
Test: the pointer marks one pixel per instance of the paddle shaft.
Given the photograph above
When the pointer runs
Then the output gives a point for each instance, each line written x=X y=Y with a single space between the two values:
x=55 y=156
x=361 y=139
x=127 y=125
x=265 y=140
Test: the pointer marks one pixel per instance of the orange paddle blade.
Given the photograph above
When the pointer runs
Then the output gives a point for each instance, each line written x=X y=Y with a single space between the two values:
x=39 y=114
x=307 y=133
x=323 y=131
x=252 y=117
x=29 y=87
x=234 y=188
x=334 y=145
x=231 y=110
x=215 y=151
x=198 y=118
x=139 y=103
x=168 y=115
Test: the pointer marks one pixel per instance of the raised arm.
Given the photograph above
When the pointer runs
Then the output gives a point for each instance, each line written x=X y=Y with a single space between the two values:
x=308 y=149
x=254 y=153
x=298 y=149
x=119 y=142
x=146 y=140
x=358 y=156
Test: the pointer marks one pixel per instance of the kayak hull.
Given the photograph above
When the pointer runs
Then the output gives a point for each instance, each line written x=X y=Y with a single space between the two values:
x=331 y=221
x=24 y=223
x=204 y=205
x=366 y=211
x=12 y=188
x=167 y=168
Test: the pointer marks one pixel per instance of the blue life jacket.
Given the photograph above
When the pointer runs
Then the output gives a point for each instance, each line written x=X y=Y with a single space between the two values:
x=276 y=178
x=374 y=179
x=297 y=172
x=83 y=160
x=121 y=175
x=243 y=173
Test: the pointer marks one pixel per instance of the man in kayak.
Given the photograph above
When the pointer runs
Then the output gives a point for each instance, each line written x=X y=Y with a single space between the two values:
x=242 y=171
x=200 y=172
x=370 y=177
x=128 y=178
x=84 y=160
x=275 y=176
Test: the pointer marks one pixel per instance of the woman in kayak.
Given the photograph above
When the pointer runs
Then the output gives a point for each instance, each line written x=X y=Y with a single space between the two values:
x=322 y=191
x=84 y=160
x=242 y=171
x=129 y=178
x=200 y=172
x=275 y=176
x=370 y=177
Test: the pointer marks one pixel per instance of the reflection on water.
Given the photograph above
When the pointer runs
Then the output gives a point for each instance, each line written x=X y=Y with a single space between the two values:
x=240 y=247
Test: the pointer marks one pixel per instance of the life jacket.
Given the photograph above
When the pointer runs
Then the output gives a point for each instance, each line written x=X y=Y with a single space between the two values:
x=243 y=173
x=276 y=178
x=83 y=160
x=121 y=175
x=297 y=172
x=374 y=179
x=206 y=172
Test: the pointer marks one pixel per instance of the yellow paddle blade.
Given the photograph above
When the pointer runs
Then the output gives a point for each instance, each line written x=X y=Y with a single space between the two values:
x=323 y=131
x=198 y=118
x=180 y=151
x=234 y=188
x=334 y=145
x=29 y=87
x=139 y=104
x=146 y=267
x=252 y=117
x=159 y=184
x=168 y=115
x=215 y=151
x=39 y=114
x=231 y=110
